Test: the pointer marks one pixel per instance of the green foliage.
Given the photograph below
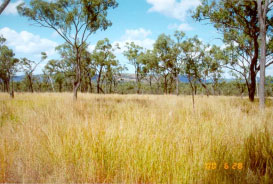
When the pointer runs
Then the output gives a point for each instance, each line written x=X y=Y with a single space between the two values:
x=74 y=21
x=239 y=23
x=28 y=67
x=103 y=53
x=105 y=64
x=164 y=59
x=202 y=62
x=64 y=16
x=178 y=52
x=8 y=64
x=137 y=58
x=269 y=86
x=55 y=69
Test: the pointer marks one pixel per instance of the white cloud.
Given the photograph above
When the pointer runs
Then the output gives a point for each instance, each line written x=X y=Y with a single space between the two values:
x=27 y=43
x=146 y=43
x=136 y=34
x=181 y=27
x=173 y=8
x=11 y=8
x=91 y=48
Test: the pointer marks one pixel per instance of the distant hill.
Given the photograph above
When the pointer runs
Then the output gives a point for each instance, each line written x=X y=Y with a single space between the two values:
x=18 y=78
x=183 y=78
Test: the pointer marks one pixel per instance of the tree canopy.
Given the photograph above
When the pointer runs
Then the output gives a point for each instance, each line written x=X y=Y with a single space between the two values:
x=73 y=20
x=239 y=23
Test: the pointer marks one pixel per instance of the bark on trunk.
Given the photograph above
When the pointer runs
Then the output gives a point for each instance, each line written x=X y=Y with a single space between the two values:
x=76 y=85
x=192 y=93
x=90 y=85
x=6 y=86
x=77 y=81
x=110 y=87
x=98 y=80
x=214 y=90
x=12 y=90
x=150 y=83
x=177 y=84
x=195 y=89
x=138 y=81
x=252 y=84
x=262 y=10
x=75 y=89
x=158 y=87
x=138 y=87
x=204 y=86
x=252 y=87
x=30 y=84
x=52 y=85
x=60 y=87
x=242 y=92
x=165 y=85
x=251 y=91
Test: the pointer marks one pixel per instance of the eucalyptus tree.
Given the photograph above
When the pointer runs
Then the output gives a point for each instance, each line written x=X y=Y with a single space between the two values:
x=263 y=11
x=147 y=66
x=238 y=21
x=68 y=64
x=117 y=77
x=134 y=54
x=214 y=57
x=55 y=69
x=104 y=59
x=197 y=64
x=89 y=71
x=47 y=82
x=73 y=20
x=163 y=49
x=198 y=59
x=4 y=5
x=150 y=67
x=178 y=56
x=112 y=74
x=190 y=67
x=8 y=66
x=28 y=67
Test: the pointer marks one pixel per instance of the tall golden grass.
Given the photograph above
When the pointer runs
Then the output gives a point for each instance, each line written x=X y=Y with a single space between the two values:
x=48 y=138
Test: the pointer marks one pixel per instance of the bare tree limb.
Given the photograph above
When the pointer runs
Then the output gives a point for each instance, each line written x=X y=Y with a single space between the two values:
x=4 y=5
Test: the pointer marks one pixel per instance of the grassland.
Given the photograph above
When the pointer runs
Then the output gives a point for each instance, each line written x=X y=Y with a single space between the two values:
x=48 y=138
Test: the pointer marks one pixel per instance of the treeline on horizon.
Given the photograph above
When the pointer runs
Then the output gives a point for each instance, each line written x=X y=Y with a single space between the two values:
x=157 y=70
x=124 y=85
x=102 y=72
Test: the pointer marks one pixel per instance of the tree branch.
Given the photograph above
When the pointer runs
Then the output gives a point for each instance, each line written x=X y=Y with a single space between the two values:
x=4 y=5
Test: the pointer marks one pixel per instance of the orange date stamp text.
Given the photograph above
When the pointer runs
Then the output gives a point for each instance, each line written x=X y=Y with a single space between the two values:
x=225 y=165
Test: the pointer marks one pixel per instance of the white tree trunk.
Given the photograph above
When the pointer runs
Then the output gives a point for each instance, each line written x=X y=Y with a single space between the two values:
x=262 y=10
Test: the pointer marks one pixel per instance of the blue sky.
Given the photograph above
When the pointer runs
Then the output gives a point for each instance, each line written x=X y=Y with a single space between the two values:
x=140 y=21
